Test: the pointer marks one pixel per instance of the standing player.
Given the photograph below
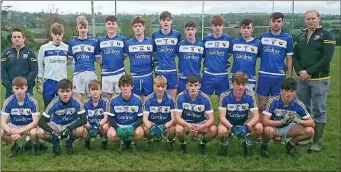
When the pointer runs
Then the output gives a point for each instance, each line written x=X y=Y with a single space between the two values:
x=82 y=50
x=111 y=50
x=140 y=50
x=67 y=117
x=125 y=115
x=96 y=111
x=165 y=41
x=286 y=116
x=215 y=78
x=158 y=113
x=245 y=51
x=238 y=115
x=52 y=63
x=190 y=53
x=194 y=113
x=23 y=110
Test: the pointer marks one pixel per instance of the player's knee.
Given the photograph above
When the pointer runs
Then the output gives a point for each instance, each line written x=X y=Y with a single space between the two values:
x=111 y=134
x=268 y=131
x=33 y=132
x=259 y=128
x=2 y=133
x=309 y=131
x=40 y=133
x=213 y=129
x=79 y=131
x=139 y=133
x=105 y=128
x=171 y=130
x=179 y=130
x=222 y=131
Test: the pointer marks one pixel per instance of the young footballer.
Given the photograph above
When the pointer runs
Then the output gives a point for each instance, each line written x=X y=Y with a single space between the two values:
x=194 y=113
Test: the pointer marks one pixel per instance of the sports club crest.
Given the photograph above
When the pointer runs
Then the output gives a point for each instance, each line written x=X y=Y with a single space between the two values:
x=316 y=37
x=280 y=42
x=172 y=41
x=28 y=111
x=133 y=109
x=89 y=48
x=244 y=106
x=166 y=109
x=252 y=49
x=24 y=56
x=224 y=44
x=82 y=47
x=148 y=48
x=65 y=53
x=199 y=108
x=118 y=43
x=199 y=49
x=100 y=111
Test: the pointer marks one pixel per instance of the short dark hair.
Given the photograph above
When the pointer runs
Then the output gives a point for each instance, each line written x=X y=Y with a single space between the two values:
x=240 y=78
x=19 y=81
x=65 y=84
x=245 y=22
x=289 y=84
x=126 y=79
x=190 y=23
x=137 y=19
x=111 y=18
x=165 y=14
x=193 y=79
x=18 y=30
x=277 y=15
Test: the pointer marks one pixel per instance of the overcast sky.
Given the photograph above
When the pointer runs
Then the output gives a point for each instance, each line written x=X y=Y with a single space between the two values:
x=175 y=7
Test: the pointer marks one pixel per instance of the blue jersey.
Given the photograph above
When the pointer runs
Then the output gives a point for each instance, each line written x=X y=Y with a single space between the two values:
x=20 y=114
x=273 y=51
x=125 y=112
x=165 y=48
x=237 y=112
x=276 y=109
x=216 y=53
x=95 y=113
x=245 y=57
x=64 y=113
x=190 y=56
x=83 y=52
x=193 y=111
x=112 y=53
x=141 y=55
x=159 y=113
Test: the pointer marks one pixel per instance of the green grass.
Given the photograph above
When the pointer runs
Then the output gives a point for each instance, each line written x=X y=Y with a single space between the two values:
x=160 y=159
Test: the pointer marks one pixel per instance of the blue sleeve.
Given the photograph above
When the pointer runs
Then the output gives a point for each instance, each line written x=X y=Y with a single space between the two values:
x=70 y=52
x=290 y=46
x=139 y=104
x=6 y=109
x=98 y=47
x=50 y=109
x=79 y=107
x=230 y=46
x=179 y=37
x=252 y=102
x=110 y=107
x=126 y=48
x=146 y=105
x=270 y=107
x=172 y=104
x=223 y=101
x=301 y=110
x=178 y=104
x=35 y=106
x=208 y=105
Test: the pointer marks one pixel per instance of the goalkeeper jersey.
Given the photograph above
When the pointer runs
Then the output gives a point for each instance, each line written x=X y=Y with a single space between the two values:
x=52 y=61
x=125 y=112
x=276 y=109
x=159 y=113
x=95 y=113
x=237 y=111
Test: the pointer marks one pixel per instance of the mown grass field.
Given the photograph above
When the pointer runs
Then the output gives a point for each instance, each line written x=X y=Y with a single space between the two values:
x=161 y=160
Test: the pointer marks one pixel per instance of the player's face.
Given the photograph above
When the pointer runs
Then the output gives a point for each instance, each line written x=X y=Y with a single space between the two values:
x=190 y=32
x=82 y=30
x=159 y=89
x=95 y=92
x=126 y=89
x=19 y=91
x=65 y=94
x=111 y=27
x=57 y=38
x=194 y=88
x=312 y=20
x=276 y=24
x=217 y=29
x=238 y=88
x=166 y=23
x=138 y=29
x=17 y=39
x=288 y=95
x=246 y=31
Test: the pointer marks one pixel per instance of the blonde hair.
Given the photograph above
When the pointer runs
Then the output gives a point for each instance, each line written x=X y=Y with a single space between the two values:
x=312 y=11
x=160 y=80
x=82 y=20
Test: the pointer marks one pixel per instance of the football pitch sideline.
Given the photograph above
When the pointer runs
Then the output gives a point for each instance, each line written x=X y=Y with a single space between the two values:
x=159 y=159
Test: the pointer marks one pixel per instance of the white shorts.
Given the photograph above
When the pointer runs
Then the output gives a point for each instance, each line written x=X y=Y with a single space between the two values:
x=110 y=83
x=59 y=126
x=81 y=81
x=284 y=131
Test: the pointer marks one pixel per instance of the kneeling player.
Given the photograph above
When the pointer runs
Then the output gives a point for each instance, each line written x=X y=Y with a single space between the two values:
x=158 y=113
x=125 y=115
x=286 y=116
x=67 y=118
x=95 y=109
x=238 y=115
x=23 y=110
x=194 y=114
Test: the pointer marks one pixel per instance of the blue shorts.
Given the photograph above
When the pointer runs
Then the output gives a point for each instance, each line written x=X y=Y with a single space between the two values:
x=143 y=85
x=214 y=83
x=50 y=89
x=269 y=85
x=172 y=79
x=182 y=85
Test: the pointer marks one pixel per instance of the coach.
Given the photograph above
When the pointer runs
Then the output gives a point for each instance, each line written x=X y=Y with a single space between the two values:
x=313 y=53
x=18 y=61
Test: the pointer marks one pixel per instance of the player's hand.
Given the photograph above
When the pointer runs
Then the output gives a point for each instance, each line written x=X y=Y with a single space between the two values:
x=304 y=75
x=15 y=137
x=39 y=86
x=65 y=133
x=195 y=130
x=295 y=118
x=286 y=118
x=11 y=131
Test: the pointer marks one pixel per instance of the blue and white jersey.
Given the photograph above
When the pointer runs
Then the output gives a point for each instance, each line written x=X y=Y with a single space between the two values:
x=245 y=57
x=125 y=112
x=273 y=51
x=237 y=112
x=165 y=48
x=190 y=56
x=64 y=113
x=159 y=113
x=20 y=114
x=83 y=52
x=52 y=61
x=276 y=109
x=141 y=55
x=193 y=111
x=112 y=53
x=216 y=53
x=95 y=113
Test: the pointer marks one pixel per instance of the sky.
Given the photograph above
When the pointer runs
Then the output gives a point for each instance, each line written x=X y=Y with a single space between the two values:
x=175 y=7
